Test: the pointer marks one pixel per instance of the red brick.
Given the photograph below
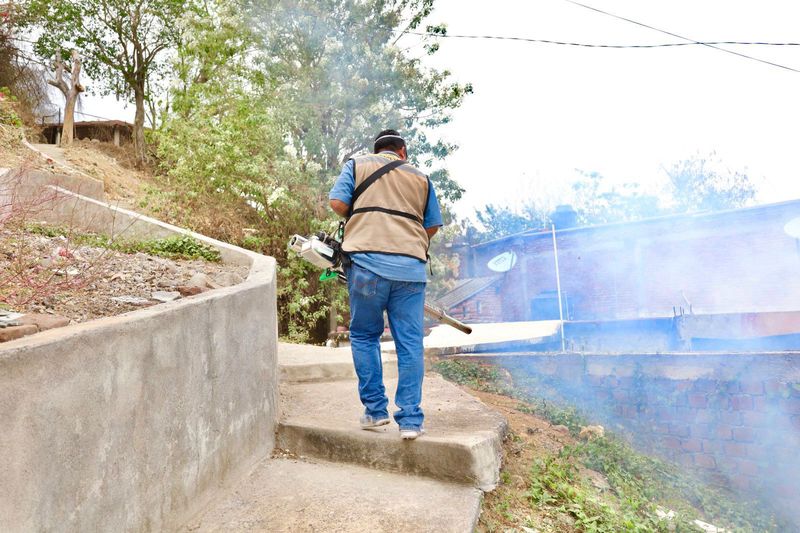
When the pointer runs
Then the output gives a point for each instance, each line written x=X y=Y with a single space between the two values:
x=743 y=434
x=692 y=445
x=711 y=446
x=671 y=443
x=742 y=403
x=791 y=406
x=621 y=395
x=43 y=321
x=661 y=428
x=761 y=403
x=773 y=386
x=683 y=385
x=754 y=419
x=679 y=430
x=705 y=385
x=704 y=416
x=739 y=482
x=11 y=333
x=685 y=414
x=735 y=449
x=752 y=387
x=724 y=432
x=698 y=401
x=705 y=461
x=702 y=431
x=732 y=418
x=748 y=468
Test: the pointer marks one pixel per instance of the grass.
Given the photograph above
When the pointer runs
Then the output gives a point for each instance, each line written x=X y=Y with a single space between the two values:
x=176 y=247
x=557 y=483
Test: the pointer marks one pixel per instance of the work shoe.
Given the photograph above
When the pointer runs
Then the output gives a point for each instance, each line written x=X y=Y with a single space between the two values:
x=411 y=433
x=368 y=421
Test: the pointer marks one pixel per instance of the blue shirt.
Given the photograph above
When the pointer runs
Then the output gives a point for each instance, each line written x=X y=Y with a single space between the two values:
x=394 y=267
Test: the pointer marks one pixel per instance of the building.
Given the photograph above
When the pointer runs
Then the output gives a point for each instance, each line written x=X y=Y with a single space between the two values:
x=116 y=131
x=729 y=262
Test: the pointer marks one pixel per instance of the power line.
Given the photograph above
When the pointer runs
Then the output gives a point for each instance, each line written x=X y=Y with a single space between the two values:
x=593 y=45
x=693 y=41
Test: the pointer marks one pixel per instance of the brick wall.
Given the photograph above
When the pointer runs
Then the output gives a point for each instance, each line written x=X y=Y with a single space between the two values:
x=733 y=418
x=738 y=261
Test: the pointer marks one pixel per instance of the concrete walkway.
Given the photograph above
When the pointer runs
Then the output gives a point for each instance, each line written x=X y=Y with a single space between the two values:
x=351 y=480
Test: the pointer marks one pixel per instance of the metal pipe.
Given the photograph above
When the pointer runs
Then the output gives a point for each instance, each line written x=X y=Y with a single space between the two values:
x=558 y=287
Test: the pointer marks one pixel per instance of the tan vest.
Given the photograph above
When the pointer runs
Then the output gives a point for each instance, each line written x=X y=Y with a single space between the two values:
x=387 y=217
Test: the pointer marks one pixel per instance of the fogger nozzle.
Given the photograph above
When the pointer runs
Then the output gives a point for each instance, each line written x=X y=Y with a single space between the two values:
x=296 y=243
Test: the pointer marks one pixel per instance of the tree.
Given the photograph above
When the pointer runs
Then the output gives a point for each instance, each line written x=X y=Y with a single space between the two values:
x=698 y=185
x=70 y=91
x=502 y=221
x=124 y=43
x=598 y=202
x=341 y=78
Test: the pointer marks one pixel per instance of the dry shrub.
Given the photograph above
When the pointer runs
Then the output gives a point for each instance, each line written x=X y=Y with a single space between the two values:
x=31 y=269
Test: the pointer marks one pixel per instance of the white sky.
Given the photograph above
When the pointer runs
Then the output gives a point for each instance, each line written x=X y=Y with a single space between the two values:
x=540 y=111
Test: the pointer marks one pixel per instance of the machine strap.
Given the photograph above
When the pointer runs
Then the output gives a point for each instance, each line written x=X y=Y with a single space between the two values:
x=375 y=176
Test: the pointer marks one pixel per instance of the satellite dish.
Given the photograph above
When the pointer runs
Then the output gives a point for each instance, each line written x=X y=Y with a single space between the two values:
x=503 y=262
x=792 y=228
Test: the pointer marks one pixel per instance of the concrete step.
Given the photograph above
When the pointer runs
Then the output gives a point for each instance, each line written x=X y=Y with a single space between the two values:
x=283 y=495
x=304 y=363
x=462 y=444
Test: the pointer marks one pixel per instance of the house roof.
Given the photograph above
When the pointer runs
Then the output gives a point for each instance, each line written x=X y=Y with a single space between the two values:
x=465 y=289
x=547 y=232
x=93 y=124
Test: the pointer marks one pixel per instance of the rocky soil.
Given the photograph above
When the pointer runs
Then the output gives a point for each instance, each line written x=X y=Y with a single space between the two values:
x=41 y=274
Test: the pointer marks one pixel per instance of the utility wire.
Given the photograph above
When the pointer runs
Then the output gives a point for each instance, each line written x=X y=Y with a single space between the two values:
x=592 y=45
x=692 y=41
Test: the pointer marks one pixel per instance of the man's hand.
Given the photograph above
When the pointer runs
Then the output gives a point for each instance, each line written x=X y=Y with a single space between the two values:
x=431 y=231
x=340 y=208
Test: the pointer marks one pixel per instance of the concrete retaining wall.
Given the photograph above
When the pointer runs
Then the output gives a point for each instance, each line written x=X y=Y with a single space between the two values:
x=130 y=423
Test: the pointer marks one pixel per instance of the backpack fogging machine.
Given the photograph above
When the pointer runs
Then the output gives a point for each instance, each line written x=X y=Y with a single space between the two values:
x=325 y=251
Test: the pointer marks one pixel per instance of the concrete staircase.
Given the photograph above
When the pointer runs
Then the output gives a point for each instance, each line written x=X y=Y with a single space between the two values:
x=330 y=475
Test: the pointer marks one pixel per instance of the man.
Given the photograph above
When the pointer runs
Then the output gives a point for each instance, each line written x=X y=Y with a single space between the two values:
x=392 y=212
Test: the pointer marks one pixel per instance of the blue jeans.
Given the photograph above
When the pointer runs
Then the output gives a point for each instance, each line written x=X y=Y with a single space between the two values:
x=370 y=296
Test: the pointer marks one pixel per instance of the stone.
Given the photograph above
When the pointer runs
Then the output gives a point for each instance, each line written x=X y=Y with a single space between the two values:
x=44 y=322
x=15 y=332
x=201 y=280
x=226 y=279
x=165 y=296
x=185 y=290
x=131 y=300
x=592 y=432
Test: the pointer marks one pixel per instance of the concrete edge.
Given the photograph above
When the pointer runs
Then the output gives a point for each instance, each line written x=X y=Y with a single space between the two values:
x=262 y=273
x=476 y=463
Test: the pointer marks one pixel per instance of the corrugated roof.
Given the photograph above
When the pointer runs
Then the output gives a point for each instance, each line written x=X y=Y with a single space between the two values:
x=465 y=289
x=546 y=232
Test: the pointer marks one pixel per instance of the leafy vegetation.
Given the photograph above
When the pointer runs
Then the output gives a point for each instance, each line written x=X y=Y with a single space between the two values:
x=639 y=485
x=175 y=247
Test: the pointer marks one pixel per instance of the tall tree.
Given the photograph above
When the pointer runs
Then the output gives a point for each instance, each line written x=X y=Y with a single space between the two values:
x=123 y=41
x=71 y=88
x=335 y=66
x=703 y=183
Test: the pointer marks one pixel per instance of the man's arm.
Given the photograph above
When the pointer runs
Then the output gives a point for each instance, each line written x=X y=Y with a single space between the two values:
x=431 y=231
x=341 y=208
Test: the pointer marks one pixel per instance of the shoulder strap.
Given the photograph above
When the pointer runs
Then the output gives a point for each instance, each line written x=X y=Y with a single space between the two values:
x=375 y=176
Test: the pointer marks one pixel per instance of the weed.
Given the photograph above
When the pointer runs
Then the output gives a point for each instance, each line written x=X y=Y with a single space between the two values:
x=175 y=247
x=639 y=484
